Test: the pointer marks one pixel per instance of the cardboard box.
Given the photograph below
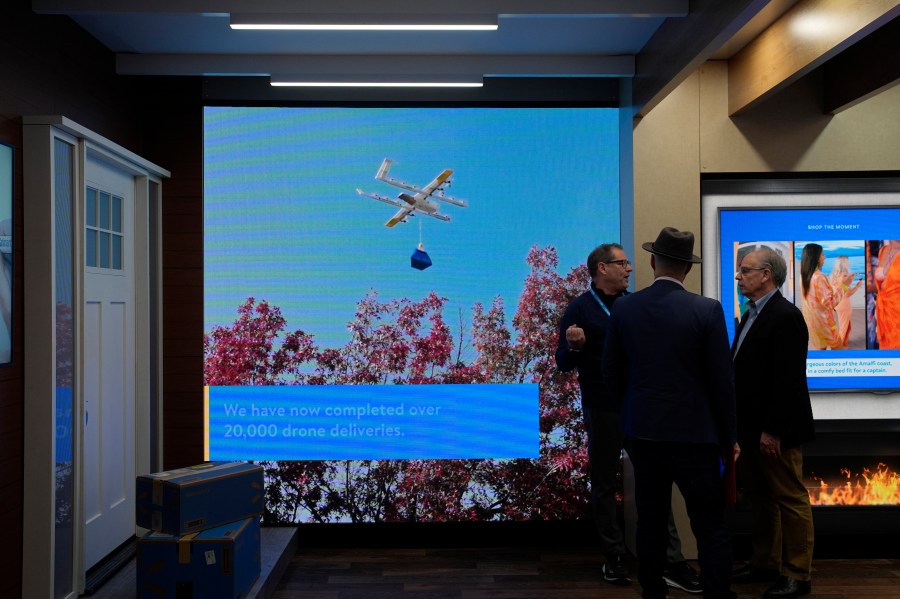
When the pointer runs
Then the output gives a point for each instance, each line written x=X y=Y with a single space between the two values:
x=199 y=497
x=221 y=562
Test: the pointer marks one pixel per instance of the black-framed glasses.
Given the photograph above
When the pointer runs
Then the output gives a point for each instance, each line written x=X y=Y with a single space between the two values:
x=745 y=270
x=622 y=263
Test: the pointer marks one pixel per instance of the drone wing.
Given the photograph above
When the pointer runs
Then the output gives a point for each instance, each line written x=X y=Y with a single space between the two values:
x=437 y=183
x=400 y=217
x=380 y=198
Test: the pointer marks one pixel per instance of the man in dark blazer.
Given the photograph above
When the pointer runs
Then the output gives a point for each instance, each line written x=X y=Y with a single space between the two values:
x=774 y=419
x=582 y=336
x=667 y=362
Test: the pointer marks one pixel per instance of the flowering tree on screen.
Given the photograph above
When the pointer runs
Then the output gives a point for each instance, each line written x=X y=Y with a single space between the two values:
x=401 y=341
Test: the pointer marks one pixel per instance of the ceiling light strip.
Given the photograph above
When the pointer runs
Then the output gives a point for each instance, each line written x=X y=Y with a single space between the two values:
x=375 y=80
x=376 y=84
x=363 y=27
x=363 y=22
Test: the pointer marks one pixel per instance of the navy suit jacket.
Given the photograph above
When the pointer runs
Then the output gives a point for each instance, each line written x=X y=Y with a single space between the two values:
x=667 y=361
x=770 y=376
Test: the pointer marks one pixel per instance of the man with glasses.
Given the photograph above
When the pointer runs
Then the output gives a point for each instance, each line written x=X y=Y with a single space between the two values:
x=774 y=418
x=581 y=339
x=666 y=365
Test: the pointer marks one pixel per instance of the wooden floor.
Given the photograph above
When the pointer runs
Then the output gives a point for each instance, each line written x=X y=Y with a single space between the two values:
x=524 y=573
x=324 y=566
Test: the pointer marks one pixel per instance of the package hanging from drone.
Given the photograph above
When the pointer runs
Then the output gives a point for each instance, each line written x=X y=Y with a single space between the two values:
x=420 y=259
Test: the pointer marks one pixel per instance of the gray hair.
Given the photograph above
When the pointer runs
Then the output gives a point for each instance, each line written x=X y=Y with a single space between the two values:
x=769 y=258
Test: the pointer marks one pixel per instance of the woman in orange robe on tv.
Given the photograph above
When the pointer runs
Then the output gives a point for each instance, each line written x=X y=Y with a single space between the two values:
x=820 y=298
x=887 y=302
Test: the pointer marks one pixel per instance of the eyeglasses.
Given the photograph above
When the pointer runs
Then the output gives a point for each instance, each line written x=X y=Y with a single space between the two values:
x=745 y=270
x=622 y=263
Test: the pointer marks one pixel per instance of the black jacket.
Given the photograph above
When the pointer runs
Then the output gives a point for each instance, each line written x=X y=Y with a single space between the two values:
x=770 y=376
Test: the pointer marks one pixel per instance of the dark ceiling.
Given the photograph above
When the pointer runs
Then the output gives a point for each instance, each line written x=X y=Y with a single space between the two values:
x=541 y=50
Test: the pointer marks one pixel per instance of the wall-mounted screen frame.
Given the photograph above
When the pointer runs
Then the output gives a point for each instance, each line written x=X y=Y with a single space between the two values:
x=7 y=174
x=853 y=217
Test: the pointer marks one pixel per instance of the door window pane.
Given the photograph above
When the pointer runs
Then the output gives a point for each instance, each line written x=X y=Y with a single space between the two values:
x=104 y=210
x=103 y=224
x=104 y=250
x=116 y=214
x=116 y=252
x=90 y=247
x=90 y=208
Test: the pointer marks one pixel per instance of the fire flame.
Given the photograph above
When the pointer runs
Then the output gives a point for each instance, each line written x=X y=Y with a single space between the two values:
x=880 y=486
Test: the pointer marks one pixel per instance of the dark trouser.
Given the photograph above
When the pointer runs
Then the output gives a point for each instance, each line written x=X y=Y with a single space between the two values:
x=605 y=442
x=782 y=517
x=605 y=457
x=695 y=468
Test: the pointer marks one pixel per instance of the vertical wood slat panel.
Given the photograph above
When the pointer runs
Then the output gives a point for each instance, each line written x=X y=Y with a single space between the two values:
x=174 y=110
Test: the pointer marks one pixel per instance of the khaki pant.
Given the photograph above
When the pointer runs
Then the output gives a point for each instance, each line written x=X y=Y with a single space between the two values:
x=782 y=518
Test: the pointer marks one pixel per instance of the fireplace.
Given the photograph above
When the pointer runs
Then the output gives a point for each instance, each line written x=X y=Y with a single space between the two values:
x=858 y=482
x=854 y=463
x=852 y=472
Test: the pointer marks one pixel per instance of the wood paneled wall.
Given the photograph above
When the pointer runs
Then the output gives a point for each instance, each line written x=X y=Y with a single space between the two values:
x=49 y=65
x=174 y=107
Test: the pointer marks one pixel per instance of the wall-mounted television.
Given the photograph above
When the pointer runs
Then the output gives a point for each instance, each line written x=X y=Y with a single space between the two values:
x=852 y=221
x=6 y=252
x=382 y=288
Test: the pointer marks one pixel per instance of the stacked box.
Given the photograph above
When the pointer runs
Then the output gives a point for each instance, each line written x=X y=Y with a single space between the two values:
x=221 y=562
x=199 y=497
x=205 y=535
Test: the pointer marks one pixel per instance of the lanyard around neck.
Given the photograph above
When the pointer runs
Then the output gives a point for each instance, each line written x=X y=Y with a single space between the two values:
x=599 y=301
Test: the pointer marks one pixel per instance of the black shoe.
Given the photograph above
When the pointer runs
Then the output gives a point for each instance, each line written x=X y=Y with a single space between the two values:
x=682 y=576
x=747 y=574
x=786 y=588
x=614 y=571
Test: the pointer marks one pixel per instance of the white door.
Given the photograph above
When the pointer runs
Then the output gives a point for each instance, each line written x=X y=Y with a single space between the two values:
x=109 y=368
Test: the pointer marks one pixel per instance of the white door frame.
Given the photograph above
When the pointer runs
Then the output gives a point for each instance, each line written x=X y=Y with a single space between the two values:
x=39 y=509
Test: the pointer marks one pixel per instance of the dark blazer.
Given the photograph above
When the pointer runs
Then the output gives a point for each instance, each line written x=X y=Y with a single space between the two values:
x=667 y=361
x=770 y=376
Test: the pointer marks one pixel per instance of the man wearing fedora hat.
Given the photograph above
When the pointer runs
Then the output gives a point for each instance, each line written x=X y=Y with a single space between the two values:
x=582 y=333
x=668 y=363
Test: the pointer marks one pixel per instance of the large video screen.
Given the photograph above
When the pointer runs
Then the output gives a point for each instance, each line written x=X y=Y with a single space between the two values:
x=382 y=291
x=836 y=236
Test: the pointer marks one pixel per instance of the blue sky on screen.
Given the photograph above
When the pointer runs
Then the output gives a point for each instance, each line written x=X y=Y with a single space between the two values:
x=854 y=250
x=283 y=221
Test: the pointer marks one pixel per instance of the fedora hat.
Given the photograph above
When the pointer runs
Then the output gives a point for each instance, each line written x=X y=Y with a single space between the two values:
x=675 y=244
